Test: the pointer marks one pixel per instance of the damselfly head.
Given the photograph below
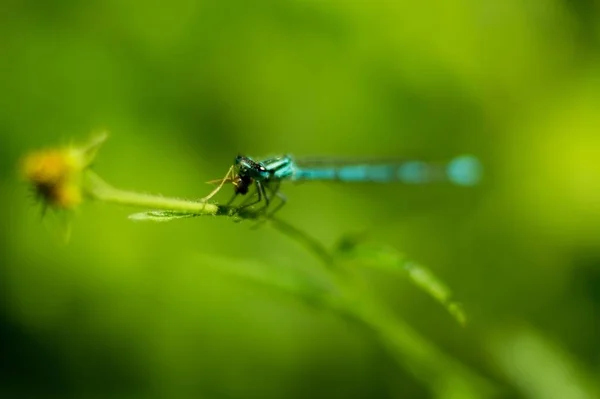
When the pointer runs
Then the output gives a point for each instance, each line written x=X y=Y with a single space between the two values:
x=246 y=166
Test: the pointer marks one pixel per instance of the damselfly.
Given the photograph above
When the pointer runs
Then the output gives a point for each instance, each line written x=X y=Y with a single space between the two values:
x=267 y=175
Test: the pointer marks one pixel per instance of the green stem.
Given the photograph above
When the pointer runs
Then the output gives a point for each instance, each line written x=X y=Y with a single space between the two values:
x=304 y=239
x=98 y=189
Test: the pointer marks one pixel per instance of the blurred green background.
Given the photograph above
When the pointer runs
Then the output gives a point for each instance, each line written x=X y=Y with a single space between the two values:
x=136 y=310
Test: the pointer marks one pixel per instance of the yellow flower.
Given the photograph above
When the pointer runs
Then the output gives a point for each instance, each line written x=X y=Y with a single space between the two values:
x=56 y=174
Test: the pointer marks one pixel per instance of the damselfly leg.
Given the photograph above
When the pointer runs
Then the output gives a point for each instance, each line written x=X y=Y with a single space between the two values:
x=248 y=201
x=265 y=193
x=269 y=192
x=274 y=189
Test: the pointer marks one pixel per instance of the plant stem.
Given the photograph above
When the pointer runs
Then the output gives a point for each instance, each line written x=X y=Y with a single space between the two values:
x=304 y=239
x=98 y=189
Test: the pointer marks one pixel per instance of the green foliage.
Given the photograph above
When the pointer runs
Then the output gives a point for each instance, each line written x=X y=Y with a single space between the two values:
x=208 y=308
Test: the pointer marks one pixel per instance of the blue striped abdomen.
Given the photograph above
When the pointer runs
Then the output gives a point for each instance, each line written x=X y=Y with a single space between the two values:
x=463 y=170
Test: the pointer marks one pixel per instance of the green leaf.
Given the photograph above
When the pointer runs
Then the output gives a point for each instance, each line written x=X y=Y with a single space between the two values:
x=160 y=216
x=392 y=261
